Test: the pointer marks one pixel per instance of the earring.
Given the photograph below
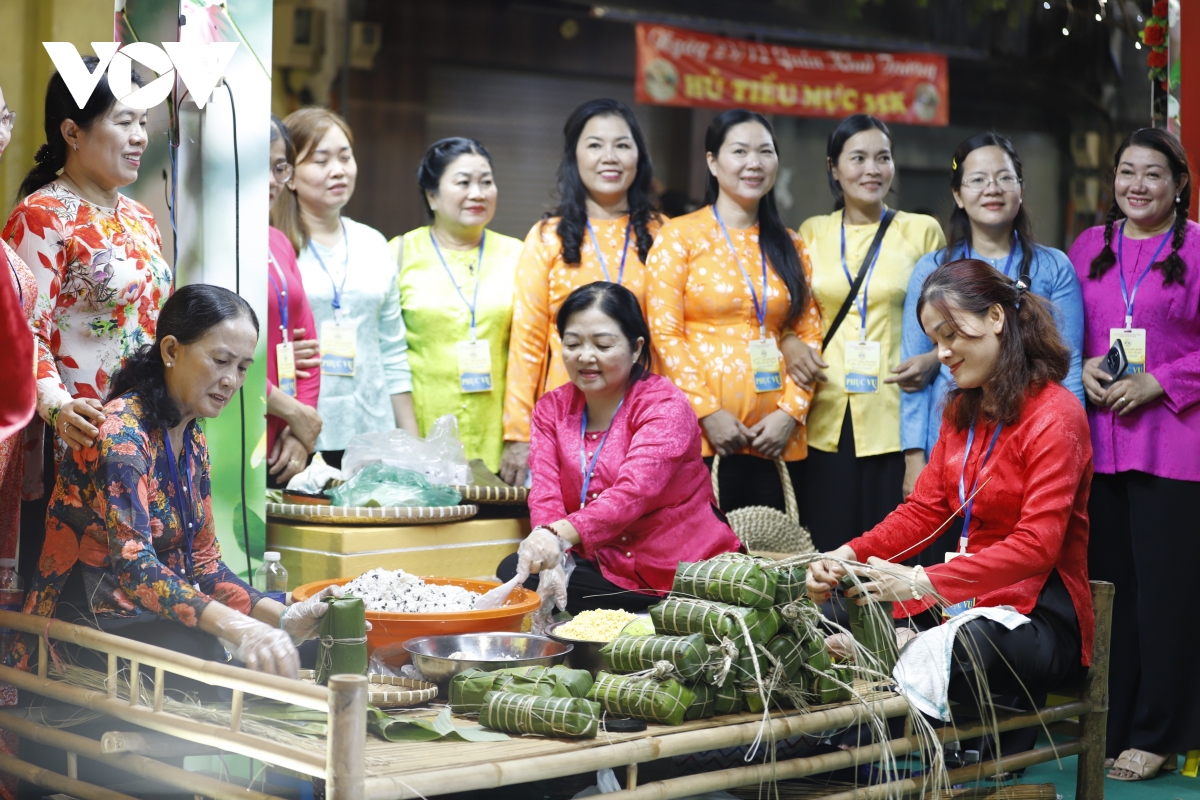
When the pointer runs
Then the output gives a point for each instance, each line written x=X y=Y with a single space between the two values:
x=1177 y=198
x=75 y=145
x=170 y=365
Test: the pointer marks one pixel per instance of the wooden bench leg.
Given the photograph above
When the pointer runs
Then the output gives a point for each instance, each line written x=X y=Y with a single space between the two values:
x=1090 y=776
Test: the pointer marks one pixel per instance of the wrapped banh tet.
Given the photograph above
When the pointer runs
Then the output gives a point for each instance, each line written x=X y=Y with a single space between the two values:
x=469 y=687
x=342 y=638
x=688 y=655
x=739 y=582
x=713 y=701
x=681 y=616
x=559 y=717
x=874 y=631
x=647 y=699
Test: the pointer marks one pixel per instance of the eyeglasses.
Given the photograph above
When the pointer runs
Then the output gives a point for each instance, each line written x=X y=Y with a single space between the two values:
x=978 y=183
x=282 y=172
x=8 y=119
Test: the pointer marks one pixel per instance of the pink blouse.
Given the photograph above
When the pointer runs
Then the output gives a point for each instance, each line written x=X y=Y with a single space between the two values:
x=1163 y=437
x=299 y=316
x=650 y=501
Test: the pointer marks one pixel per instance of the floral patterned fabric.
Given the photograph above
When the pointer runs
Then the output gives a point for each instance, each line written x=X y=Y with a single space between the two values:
x=544 y=281
x=115 y=515
x=101 y=282
x=702 y=321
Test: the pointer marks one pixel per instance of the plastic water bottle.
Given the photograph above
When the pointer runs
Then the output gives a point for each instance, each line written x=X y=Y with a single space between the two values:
x=12 y=598
x=271 y=578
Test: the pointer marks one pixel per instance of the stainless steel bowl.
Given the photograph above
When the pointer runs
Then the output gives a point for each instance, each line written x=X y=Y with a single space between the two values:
x=584 y=655
x=486 y=651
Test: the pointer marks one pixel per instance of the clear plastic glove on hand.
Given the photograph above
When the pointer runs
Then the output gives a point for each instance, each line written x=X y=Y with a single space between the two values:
x=540 y=550
x=259 y=646
x=302 y=621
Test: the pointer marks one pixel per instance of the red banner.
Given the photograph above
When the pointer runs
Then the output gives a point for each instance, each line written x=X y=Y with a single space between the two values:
x=677 y=67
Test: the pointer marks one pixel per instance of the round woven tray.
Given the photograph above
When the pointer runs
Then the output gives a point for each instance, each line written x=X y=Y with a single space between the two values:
x=493 y=495
x=355 y=515
x=390 y=691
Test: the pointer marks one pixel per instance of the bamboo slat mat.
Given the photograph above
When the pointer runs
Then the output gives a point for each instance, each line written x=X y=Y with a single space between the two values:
x=400 y=758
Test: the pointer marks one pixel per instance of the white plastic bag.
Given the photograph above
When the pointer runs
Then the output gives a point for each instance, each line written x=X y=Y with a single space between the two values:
x=439 y=456
x=315 y=476
x=606 y=783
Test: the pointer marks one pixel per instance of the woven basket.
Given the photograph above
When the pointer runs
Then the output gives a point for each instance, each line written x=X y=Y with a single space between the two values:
x=766 y=528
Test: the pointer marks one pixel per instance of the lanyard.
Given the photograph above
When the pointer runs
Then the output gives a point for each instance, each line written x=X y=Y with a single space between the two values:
x=186 y=508
x=600 y=256
x=337 y=290
x=1007 y=262
x=589 y=469
x=760 y=310
x=862 y=304
x=963 y=502
x=1125 y=295
x=474 y=303
x=281 y=294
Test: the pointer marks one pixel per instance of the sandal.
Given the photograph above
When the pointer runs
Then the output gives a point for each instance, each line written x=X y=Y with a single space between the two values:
x=1138 y=765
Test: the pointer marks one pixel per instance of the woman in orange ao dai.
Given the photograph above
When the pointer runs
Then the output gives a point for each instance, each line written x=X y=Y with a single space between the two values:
x=602 y=230
x=725 y=282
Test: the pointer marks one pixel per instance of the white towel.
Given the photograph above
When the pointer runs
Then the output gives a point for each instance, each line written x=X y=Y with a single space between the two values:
x=922 y=672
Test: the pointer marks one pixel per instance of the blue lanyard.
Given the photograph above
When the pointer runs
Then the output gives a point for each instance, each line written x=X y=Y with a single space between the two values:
x=963 y=502
x=760 y=310
x=337 y=290
x=589 y=469
x=474 y=303
x=1128 y=298
x=187 y=515
x=862 y=304
x=1007 y=262
x=600 y=256
x=280 y=294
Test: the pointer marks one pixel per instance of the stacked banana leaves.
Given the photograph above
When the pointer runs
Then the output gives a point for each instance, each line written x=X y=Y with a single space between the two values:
x=469 y=688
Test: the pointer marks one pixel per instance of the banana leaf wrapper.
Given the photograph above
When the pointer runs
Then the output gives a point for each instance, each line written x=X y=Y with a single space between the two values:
x=682 y=616
x=752 y=699
x=713 y=701
x=567 y=682
x=665 y=702
x=874 y=630
x=791 y=584
x=558 y=717
x=821 y=675
x=739 y=583
x=342 y=639
x=468 y=688
x=687 y=654
x=790 y=652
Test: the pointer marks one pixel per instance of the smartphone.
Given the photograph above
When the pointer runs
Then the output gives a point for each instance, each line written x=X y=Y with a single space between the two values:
x=1115 y=362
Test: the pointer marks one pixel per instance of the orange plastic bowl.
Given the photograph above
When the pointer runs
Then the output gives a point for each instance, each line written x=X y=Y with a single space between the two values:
x=391 y=629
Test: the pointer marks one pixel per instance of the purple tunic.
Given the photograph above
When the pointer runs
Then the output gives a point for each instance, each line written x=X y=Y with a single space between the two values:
x=1163 y=437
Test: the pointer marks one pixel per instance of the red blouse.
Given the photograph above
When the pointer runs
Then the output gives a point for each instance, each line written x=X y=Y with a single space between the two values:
x=299 y=316
x=1029 y=516
x=650 y=500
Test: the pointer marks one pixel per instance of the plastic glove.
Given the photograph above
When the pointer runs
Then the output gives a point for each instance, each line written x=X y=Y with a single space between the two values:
x=259 y=646
x=302 y=620
x=540 y=550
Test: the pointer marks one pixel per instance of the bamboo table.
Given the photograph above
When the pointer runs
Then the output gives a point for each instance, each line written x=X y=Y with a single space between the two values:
x=357 y=769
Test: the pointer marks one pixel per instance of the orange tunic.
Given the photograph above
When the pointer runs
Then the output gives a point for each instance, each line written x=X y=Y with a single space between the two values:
x=543 y=283
x=702 y=321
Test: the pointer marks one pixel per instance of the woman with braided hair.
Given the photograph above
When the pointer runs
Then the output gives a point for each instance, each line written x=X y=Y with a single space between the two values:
x=1140 y=275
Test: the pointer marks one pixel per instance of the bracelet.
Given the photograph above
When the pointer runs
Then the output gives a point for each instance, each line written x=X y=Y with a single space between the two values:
x=918 y=571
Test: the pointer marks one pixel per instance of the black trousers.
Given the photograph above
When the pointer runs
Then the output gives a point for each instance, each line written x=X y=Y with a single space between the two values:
x=747 y=480
x=1145 y=540
x=843 y=496
x=587 y=589
x=1017 y=667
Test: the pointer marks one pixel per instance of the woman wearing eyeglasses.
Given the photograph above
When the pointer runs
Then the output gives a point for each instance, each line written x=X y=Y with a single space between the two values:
x=293 y=360
x=989 y=223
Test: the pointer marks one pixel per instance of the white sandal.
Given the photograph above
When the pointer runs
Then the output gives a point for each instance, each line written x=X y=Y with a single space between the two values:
x=1142 y=766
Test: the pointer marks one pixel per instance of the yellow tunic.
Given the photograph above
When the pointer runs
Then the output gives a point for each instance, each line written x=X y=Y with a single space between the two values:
x=875 y=416
x=437 y=319
x=544 y=281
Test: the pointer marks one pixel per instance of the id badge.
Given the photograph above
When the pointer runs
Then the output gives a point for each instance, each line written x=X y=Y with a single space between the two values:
x=1134 y=342
x=862 y=367
x=339 y=346
x=285 y=363
x=957 y=608
x=764 y=360
x=475 y=366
